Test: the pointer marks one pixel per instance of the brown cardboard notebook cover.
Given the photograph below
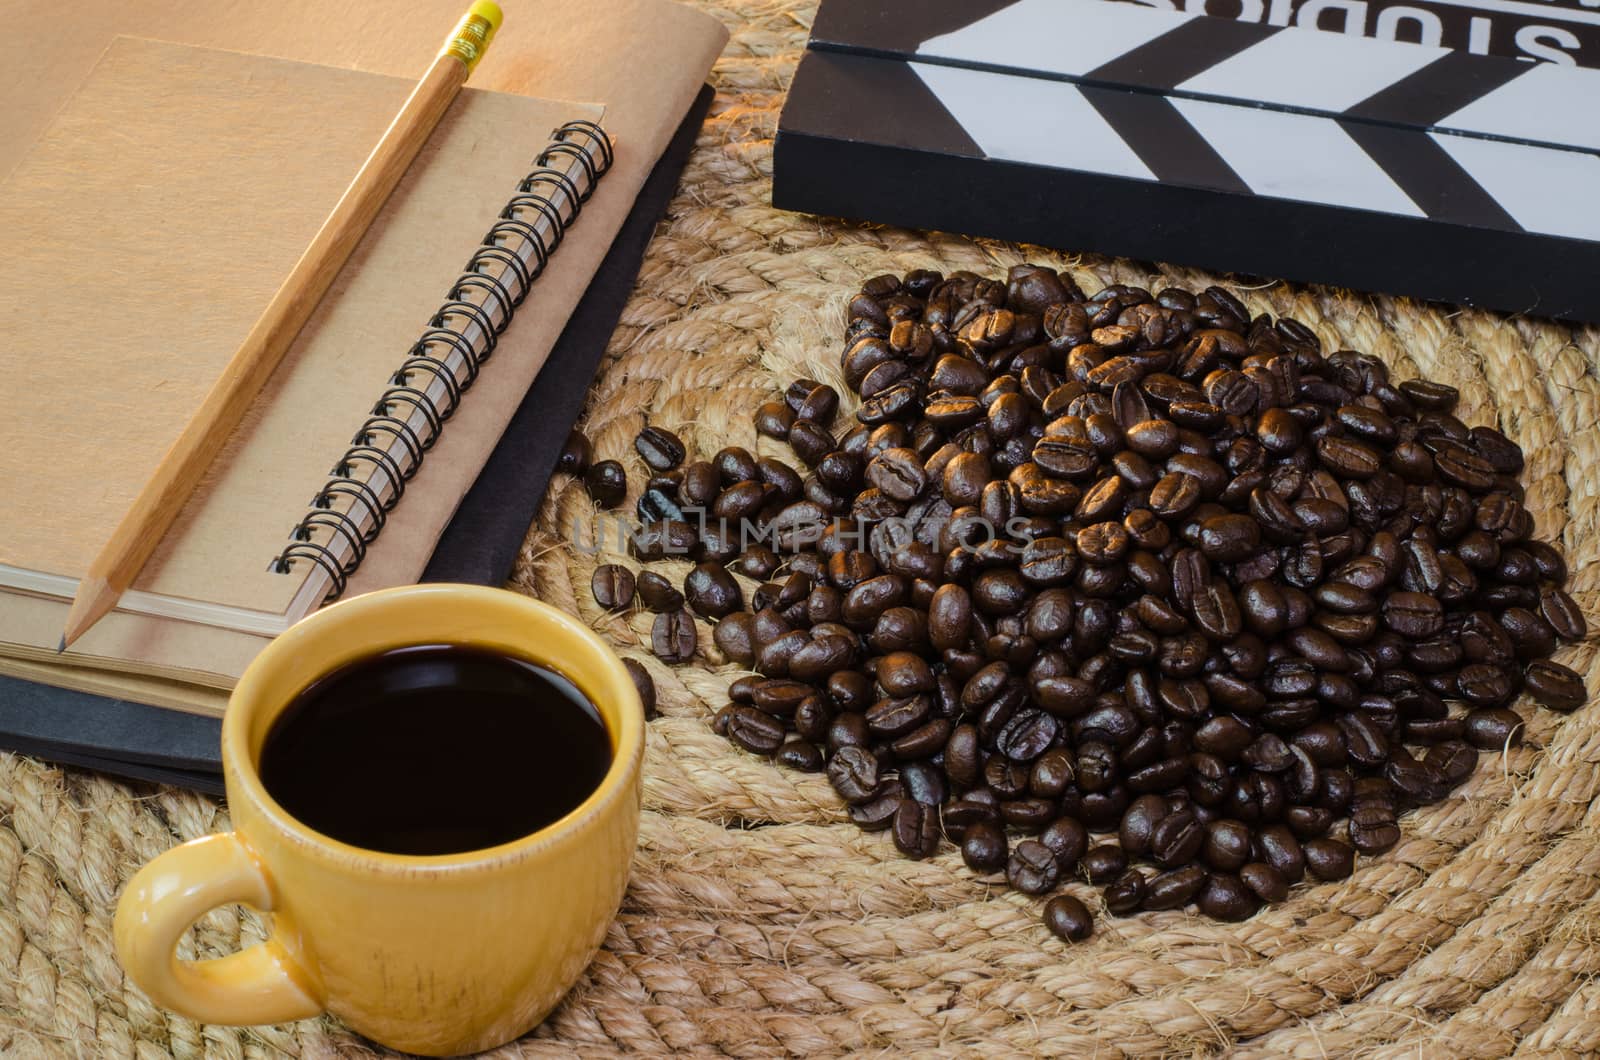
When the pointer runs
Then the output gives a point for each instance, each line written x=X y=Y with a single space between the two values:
x=642 y=110
x=216 y=168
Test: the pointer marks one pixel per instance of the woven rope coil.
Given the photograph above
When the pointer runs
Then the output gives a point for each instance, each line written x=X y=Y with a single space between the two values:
x=759 y=922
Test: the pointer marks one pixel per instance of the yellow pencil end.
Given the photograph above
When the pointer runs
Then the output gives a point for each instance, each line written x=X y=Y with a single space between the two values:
x=471 y=38
x=63 y=645
x=489 y=11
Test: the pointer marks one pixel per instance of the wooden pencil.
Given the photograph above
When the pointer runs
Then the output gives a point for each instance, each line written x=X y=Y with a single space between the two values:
x=184 y=464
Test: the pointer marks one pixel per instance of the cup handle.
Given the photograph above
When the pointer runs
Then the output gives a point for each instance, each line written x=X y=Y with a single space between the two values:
x=260 y=984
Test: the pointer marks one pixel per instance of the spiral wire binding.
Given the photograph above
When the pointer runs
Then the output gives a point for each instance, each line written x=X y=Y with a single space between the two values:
x=445 y=360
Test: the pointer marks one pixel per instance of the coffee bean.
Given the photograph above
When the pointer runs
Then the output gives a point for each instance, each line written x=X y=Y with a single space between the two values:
x=1226 y=897
x=976 y=806
x=853 y=772
x=1068 y=919
x=1461 y=466
x=1347 y=457
x=801 y=755
x=1493 y=728
x=1557 y=687
x=1154 y=438
x=1139 y=822
x=849 y=729
x=898 y=474
x=1329 y=859
x=1531 y=635
x=1227 y=845
x=606 y=482
x=657 y=593
x=1413 y=615
x=1033 y=868
x=1067 y=839
x=984 y=847
x=659 y=448
x=1561 y=612
x=1429 y=395
x=1026 y=736
x=780 y=697
x=673 y=637
x=1174 y=495
x=1229 y=538
x=755 y=731
x=877 y=813
x=1175 y=888
x=576 y=454
x=810 y=442
x=814 y=401
x=916 y=829
x=701 y=484
x=1485 y=685
x=890 y=718
x=646 y=686
x=924 y=782
x=1264 y=881
x=1103 y=863
x=711 y=591
x=774 y=419
x=1278 y=847
x=1126 y=893
x=612 y=585
x=1176 y=839
x=1373 y=829
x=756 y=561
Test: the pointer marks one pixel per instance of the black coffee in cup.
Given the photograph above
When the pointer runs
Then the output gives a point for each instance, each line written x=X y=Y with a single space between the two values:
x=435 y=750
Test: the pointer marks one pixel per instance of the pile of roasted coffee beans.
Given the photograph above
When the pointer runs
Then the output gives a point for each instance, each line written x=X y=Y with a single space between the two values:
x=1134 y=587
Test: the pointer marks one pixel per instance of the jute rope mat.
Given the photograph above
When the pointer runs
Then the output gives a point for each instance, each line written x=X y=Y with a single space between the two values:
x=759 y=921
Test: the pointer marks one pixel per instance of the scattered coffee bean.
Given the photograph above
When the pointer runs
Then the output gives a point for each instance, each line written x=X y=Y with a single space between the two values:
x=607 y=483
x=1104 y=863
x=1226 y=897
x=659 y=448
x=801 y=755
x=1557 y=687
x=711 y=591
x=1127 y=564
x=1174 y=888
x=1493 y=729
x=673 y=637
x=576 y=454
x=916 y=829
x=1068 y=919
x=755 y=731
x=646 y=686
x=1033 y=868
x=1126 y=893
x=1266 y=882
x=657 y=593
x=853 y=771
x=612 y=585
x=983 y=847
x=1329 y=859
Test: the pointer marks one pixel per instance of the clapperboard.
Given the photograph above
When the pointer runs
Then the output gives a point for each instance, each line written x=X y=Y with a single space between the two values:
x=1231 y=144
x=1551 y=31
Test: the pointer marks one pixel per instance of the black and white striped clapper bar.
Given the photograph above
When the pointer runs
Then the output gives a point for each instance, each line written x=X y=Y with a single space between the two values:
x=1102 y=126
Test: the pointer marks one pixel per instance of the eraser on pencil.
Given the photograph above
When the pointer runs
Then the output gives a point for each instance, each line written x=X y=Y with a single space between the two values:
x=489 y=11
x=477 y=28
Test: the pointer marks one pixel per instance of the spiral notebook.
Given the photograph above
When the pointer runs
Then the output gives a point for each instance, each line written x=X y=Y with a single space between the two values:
x=196 y=160
x=479 y=546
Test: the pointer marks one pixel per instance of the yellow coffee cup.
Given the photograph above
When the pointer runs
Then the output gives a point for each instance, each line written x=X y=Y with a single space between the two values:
x=437 y=955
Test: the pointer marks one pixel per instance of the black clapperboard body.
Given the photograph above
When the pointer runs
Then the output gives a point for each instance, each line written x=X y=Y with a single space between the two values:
x=1230 y=144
